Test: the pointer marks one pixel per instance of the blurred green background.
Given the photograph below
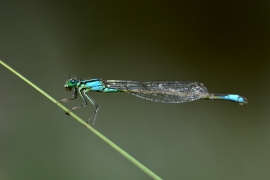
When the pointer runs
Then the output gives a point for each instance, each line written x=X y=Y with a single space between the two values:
x=223 y=44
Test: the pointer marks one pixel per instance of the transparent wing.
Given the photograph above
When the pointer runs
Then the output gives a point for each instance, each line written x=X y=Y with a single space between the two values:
x=161 y=91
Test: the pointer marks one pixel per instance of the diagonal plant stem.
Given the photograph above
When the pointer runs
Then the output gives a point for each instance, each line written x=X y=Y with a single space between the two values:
x=117 y=148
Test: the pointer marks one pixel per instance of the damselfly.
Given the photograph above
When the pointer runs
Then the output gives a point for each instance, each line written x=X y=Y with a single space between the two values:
x=158 y=91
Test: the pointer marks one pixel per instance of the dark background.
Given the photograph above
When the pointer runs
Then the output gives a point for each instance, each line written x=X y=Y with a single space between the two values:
x=224 y=44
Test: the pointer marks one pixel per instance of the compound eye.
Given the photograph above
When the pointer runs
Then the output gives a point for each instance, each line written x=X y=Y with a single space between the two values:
x=73 y=80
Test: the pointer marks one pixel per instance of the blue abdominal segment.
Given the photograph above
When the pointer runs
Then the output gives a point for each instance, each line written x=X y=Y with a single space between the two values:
x=232 y=97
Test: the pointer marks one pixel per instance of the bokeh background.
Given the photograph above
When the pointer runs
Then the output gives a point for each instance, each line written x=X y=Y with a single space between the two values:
x=224 y=44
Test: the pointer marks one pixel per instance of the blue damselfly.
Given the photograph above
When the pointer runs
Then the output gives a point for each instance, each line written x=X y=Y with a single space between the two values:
x=158 y=91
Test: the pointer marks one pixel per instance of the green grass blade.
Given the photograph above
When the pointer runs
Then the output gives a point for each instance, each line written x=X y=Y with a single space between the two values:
x=118 y=149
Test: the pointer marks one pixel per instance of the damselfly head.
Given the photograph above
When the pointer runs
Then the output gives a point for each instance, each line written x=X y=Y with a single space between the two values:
x=70 y=84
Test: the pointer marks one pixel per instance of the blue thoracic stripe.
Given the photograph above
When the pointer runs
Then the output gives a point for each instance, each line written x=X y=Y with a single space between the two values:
x=94 y=85
x=97 y=85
